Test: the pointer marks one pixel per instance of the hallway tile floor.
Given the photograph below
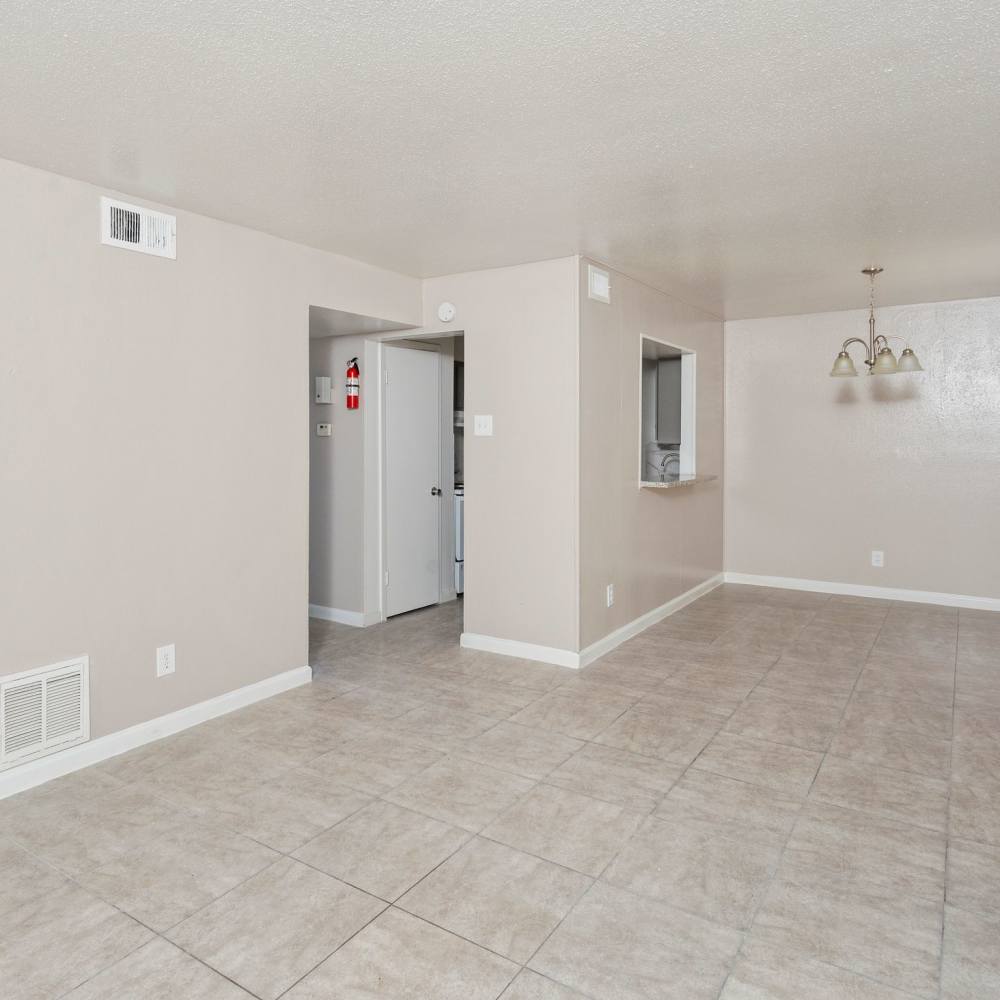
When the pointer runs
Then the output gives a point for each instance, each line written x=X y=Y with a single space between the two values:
x=770 y=795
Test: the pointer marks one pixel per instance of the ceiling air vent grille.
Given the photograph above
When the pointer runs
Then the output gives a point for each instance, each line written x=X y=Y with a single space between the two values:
x=137 y=228
x=43 y=710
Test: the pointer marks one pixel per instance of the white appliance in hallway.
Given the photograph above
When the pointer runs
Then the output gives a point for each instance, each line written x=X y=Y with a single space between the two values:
x=459 y=539
x=412 y=468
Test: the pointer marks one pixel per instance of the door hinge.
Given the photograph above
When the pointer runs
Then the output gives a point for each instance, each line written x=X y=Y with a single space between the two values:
x=385 y=579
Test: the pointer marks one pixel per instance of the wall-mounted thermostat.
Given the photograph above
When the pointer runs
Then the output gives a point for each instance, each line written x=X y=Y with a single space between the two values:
x=324 y=389
x=446 y=312
x=324 y=430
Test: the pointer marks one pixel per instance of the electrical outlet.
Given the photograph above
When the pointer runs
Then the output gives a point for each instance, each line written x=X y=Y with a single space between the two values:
x=878 y=558
x=166 y=660
x=611 y=594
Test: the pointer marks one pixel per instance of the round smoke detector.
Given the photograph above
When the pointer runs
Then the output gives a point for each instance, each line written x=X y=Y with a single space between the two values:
x=446 y=312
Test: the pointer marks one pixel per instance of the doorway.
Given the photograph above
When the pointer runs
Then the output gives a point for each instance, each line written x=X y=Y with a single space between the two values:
x=412 y=461
x=422 y=463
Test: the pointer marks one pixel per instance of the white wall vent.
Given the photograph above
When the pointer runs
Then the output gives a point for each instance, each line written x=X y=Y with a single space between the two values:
x=598 y=284
x=136 y=228
x=43 y=710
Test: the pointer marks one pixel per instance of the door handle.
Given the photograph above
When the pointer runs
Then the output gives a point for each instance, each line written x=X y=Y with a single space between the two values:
x=435 y=492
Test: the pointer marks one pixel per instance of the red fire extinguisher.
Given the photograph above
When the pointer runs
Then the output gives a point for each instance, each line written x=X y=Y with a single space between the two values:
x=353 y=383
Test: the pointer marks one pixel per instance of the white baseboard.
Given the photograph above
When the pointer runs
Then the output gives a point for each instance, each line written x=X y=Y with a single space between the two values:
x=862 y=590
x=524 y=650
x=36 y=772
x=356 y=618
x=633 y=628
x=569 y=658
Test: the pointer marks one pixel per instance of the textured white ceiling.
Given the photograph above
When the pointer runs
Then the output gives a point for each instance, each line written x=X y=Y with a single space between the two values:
x=751 y=157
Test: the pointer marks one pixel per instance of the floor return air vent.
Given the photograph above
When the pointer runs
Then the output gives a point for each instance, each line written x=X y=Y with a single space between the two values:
x=43 y=710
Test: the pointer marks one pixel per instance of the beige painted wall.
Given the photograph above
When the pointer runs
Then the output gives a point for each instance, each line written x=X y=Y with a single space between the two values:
x=336 y=481
x=153 y=465
x=821 y=471
x=521 y=353
x=651 y=544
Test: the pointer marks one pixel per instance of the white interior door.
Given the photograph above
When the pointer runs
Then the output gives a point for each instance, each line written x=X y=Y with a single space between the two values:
x=412 y=467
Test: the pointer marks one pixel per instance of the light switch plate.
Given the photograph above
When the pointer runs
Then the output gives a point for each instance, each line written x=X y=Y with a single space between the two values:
x=483 y=425
x=324 y=430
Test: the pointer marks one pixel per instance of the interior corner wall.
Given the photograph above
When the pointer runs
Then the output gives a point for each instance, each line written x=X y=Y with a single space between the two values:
x=522 y=483
x=821 y=471
x=653 y=545
x=154 y=469
x=337 y=483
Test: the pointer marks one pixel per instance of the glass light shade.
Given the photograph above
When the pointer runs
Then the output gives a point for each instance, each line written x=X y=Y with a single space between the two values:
x=908 y=361
x=843 y=367
x=885 y=363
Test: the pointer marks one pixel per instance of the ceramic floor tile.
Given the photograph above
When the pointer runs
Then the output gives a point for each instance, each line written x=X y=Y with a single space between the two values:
x=881 y=791
x=818 y=681
x=893 y=939
x=269 y=932
x=675 y=731
x=442 y=727
x=971 y=965
x=852 y=909
x=502 y=899
x=289 y=810
x=487 y=698
x=401 y=957
x=168 y=878
x=765 y=973
x=766 y=715
x=376 y=762
x=903 y=750
x=461 y=792
x=974 y=876
x=565 y=827
x=786 y=769
x=696 y=867
x=114 y=823
x=383 y=849
x=833 y=847
x=55 y=942
x=24 y=880
x=531 y=986
x=902 y=677
x=975 y=807
x=615 y=945
x=532 y=753
x=215 y=774
x=159 y=971
x=900 y=715
x=580 y=715
x=372 y=705
x=740 y=809
x=617 y=776
x=68 y=800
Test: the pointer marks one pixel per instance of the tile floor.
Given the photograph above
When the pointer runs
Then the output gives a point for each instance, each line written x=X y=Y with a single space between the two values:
x=771 y=795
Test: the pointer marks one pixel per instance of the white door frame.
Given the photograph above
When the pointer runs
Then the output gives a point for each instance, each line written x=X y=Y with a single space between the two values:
x=375 y=567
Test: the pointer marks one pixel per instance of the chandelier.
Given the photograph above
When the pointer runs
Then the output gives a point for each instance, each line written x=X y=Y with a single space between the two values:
x=878 y=355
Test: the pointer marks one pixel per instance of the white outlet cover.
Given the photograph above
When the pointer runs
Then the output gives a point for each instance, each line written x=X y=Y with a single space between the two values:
x=878 y=558
x=482 y=425
x=166 y=660
x=324 y=430
x=611 y=595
